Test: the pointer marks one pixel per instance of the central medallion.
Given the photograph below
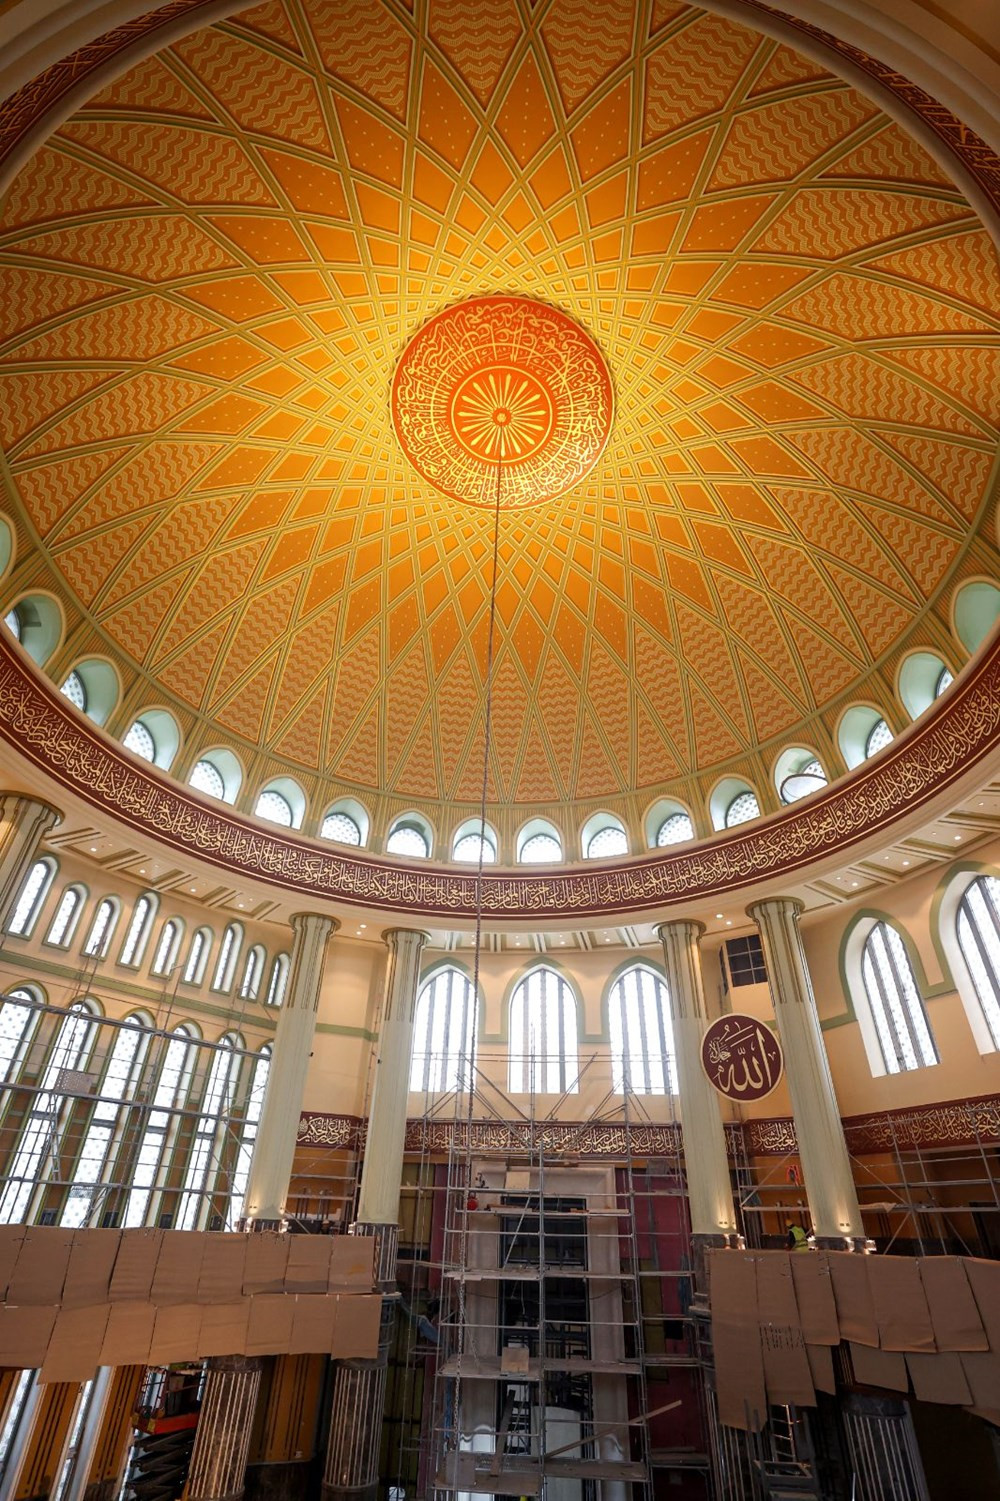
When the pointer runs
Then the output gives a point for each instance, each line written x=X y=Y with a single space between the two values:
x=502 y=391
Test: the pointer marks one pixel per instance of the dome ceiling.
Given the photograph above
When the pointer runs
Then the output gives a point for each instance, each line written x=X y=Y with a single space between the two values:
x=211 y=274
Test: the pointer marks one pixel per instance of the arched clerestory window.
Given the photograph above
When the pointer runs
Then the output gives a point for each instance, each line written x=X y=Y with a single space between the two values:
x=642 y=1042
x=31 y=897
x=18 y=1019
x=101 y=929
x=67 y=914
x=202 y=1164
x=278 y=982
x=118 y=1086
x=148 y=1169
x=44 y=1127
x=895 y=1002
x=229 y=952
x=166 y=949
x=253 y=971
x=248 y=1137
x=444 y=1033
x=138 y=930
x=543 y=1036
x=979 y=940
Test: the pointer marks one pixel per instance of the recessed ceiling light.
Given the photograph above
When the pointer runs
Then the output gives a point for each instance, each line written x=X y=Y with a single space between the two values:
x=854 y=883
x=362 y=926
x=906 y=862
x=192 y=888
x=729 y=922
x=957 y=838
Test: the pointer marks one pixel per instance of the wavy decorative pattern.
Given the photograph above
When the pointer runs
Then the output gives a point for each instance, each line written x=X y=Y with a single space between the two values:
x=963 y=729
x=213 y=267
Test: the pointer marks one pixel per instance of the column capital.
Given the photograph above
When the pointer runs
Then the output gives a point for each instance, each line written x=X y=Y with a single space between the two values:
x=396 y=938
x=689 y=926
x=46 y=816
x=313 y=924
x=784 y=906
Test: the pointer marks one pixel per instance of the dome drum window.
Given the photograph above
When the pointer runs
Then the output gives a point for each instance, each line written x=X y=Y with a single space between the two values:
x=539 y=843
x=603 y=837
x=410 y=836
x=474 y=841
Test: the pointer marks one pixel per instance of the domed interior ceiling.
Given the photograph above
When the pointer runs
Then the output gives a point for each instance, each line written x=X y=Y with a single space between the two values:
x=212 y=271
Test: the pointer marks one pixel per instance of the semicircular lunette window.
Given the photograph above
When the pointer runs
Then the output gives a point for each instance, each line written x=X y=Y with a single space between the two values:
x=275 y=808
x=140 y=741
x=207 y=778
x=408 y=840
x=607 y=842
x=540 y=849
x=879 y=736
x=743 y=807
x=674 y=830
x=340 y=827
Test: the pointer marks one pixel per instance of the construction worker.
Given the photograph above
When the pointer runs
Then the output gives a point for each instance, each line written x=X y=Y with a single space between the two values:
x=798 y=1238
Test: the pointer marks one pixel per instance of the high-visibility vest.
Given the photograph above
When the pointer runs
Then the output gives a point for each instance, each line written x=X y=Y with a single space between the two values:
x=800 y=1240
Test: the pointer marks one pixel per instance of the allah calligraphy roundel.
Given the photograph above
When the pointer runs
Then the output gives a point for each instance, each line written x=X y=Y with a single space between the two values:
x=502 y=393
x=742 y=1057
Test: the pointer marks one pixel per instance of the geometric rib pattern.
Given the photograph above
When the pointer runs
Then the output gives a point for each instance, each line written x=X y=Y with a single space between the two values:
x=210 y=273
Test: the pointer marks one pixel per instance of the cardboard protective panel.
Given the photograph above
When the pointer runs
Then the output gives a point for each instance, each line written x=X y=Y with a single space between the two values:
x=270 y=1326
x=11 y=1237
x=885 y=1368
x=853 y=1295
x=24 y=1335
x=988 y=1414
x=814 y=1296
x=939 y=1378
x=355 y=1334
x=313 y=1323
x=222 y=1266
x=75 y=1344
x=953 y=1309
x=984 y=1279
x=821 y=1366
x=739 y=1361
x=176 y=1333
x=178 y=1267
x=904 y=1320
x=787 y=1375
x=41 y=1267
x=129 y=1334
x=224 y=1328
x=515 y=1360
x=352 y=1262
x=91 y=1263
x=266 y=1260
x=138 y=1253
x=982 y=1372
x=308 y=1269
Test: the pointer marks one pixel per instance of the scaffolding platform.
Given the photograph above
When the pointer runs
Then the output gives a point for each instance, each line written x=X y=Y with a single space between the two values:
x=517 y=1475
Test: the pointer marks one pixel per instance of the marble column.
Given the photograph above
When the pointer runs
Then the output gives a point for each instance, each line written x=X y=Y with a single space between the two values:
x=710 y=1193
x=833 y=1199
x=271 y=1165
x=352 y=1458
x=222 y=1439
x=24 y=823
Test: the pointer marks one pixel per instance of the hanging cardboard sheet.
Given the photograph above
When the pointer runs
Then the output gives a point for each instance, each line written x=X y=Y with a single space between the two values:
x=352 y=1262
x=939 y=1378
x=74 y=1351
x=904 y=1320
x=313 y=1323
x=222 y=1267
x=41 y=1267
x=739 y=1361
x=11 y=1237
x=270 y=1325
x=821 y=1366
x=178 y=1267
x=982 y=1372
x=138 y=1253
x=953 y=1309
x=24 y=1335
x=787 y=1375
x=267 y=1258
x=814 y=1296
x=355 y=1334
x=224 y=1329
x=984 y=1279
x=308 y=1269
x=885 y=1368
x=91 y=1263
x=129 y=1335
x=853 y=1295
x=176 y=1333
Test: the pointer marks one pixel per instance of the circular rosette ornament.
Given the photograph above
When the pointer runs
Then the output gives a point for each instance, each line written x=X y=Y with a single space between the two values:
x=502 y=390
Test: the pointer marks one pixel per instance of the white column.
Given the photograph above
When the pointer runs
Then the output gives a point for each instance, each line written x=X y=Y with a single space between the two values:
x=710 y=1194
x=271 y=1165
x=378 y=1197
x=833 y=1199
x=24 y=823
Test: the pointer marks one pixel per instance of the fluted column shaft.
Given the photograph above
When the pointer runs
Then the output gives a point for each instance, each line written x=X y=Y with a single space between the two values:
x=24 y=823
x=710 y=1194
x=352 y=1457
x=833 y=1199
x=271 y=1165
x=222 y=1439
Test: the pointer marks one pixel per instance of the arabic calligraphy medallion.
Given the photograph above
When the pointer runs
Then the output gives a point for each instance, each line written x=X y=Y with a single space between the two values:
x=504 y=382
x=742 y=1058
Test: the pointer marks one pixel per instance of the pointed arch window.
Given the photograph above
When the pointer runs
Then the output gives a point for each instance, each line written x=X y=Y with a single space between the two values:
x=33 y=894
x=68 y=911
x=216 y=1104
x=101 y=929
x=248 y=1137
x=979 y=940
x=228 y=955
x=543 y=1036
x=253 y=971
x=676 y=828
x=896 y=1005
x=18 y=1019
x=151 y=1159
x=444 y=1033
x=42 y=1133
x=278 y=982
x=166 y=949
x=138 y=930
x=642 y=1042
x=118 y=1087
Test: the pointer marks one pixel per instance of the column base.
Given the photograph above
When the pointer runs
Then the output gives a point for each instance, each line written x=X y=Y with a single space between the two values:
x=348 y=1492
x=859 y=1243
x=701 y=1244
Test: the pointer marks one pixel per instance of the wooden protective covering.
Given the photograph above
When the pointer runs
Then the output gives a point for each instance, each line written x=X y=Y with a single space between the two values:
x=74 y=1300
x=776 y=1316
